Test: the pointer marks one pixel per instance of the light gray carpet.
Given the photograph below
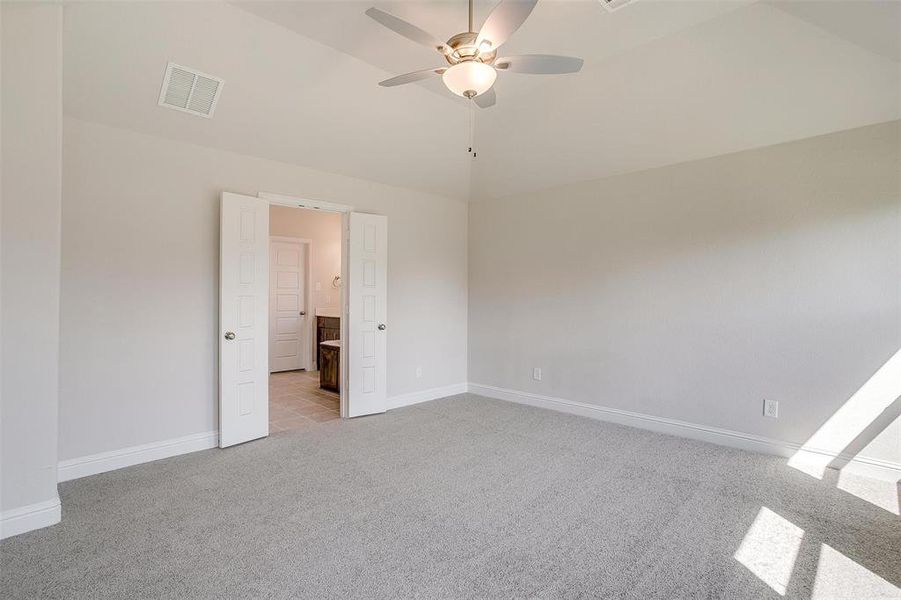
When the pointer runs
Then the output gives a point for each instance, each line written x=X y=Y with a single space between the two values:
x=459 y=498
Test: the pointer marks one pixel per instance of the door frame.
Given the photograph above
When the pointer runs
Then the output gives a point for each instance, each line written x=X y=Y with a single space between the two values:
x=344 y=210
x=307 y=285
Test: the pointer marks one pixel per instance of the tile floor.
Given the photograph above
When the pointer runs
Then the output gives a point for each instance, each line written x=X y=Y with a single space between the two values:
x=296 y=401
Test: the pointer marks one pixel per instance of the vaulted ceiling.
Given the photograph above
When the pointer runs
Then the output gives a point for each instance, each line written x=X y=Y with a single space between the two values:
x=664 y=81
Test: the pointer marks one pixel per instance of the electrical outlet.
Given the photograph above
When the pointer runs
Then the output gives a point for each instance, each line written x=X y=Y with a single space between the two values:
x=536 y=373
x=418 y=372
x=771 y=408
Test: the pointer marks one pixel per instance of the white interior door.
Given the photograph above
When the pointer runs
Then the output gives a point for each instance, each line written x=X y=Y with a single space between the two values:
x=367 y=295
x=288 y=344
x=243 y=315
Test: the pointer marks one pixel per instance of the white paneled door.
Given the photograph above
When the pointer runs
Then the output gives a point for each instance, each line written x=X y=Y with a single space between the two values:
x=367 y=295
x=288 y=320
x=243 y=316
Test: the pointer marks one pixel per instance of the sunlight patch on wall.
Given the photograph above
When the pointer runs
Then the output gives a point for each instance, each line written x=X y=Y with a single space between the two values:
x=770 y=548
x=849 y=421
x=840 y=577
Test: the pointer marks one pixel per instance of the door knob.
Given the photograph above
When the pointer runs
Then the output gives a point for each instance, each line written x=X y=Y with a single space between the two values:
x=229 y=335
x=381 y=327
x=302 y=313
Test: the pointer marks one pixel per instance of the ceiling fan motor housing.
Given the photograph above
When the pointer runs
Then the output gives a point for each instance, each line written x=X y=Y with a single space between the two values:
x=462 y=47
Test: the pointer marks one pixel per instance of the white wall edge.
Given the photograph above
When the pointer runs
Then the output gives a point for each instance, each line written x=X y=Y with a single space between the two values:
x=28 y=518
x=134 y=455
x=426 y=395
x=871 y=467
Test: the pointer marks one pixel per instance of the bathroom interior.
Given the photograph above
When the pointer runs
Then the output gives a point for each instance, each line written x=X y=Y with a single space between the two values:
x=304 y=317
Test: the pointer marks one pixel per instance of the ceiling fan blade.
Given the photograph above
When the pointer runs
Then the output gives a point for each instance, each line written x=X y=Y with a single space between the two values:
x=506 y=18
x=486 y=99
x=539 y=64
x=411 y=77
x=408 y=30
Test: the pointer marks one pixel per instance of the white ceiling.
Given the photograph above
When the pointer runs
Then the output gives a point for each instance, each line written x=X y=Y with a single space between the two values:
x=874 y=25
x=573 y=27
x=285 y=97
x=751 y=78
x=664 y=81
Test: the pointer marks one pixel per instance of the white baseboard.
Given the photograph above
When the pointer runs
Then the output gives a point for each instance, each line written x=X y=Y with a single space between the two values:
x=127 y=457
x=28 y=518
x=426 y=395
x=871 y=467
x=134 y=455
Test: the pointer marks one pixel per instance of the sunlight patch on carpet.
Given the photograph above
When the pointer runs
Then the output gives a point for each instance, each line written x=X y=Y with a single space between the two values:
x=770 y=548
x=840 y=577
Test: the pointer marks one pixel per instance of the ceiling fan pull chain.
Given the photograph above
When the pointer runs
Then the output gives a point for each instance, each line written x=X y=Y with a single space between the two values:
x=470 y=126
x=472 y=107
x=472 y=133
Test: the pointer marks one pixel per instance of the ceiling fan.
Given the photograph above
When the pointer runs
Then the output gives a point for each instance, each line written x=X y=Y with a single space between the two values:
x=472 y=55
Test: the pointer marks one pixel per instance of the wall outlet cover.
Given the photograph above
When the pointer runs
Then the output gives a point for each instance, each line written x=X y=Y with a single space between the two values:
x=536 y=373
x=771 y=408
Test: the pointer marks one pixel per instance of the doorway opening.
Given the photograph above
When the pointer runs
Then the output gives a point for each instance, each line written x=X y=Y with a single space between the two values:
x=361 y=352
x=305 y=317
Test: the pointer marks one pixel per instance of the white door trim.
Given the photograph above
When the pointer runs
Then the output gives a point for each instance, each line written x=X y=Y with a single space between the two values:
x=307 y=294
x=297 y=202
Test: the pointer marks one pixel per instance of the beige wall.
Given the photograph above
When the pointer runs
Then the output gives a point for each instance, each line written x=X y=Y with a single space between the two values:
x=140 y=281
x=693 y=292
x=324 y=229
x=29 y=304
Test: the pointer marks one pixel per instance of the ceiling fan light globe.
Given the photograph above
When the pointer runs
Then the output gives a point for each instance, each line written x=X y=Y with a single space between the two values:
x=469 y=78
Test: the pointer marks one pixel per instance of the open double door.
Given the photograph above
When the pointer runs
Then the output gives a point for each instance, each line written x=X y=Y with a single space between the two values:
x=244 y=317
